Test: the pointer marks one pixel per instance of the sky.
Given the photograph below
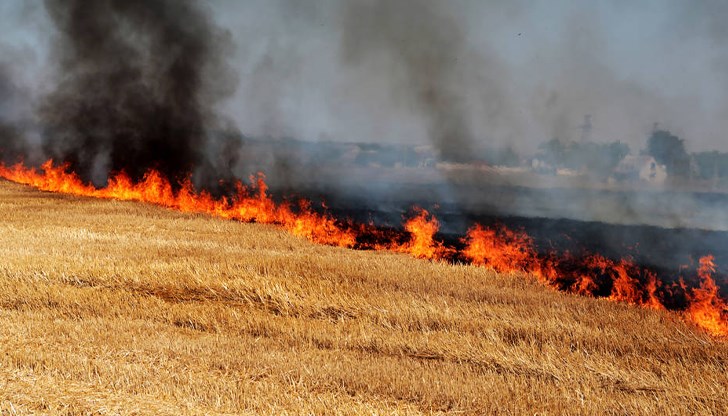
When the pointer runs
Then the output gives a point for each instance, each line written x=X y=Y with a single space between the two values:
x=496 y=73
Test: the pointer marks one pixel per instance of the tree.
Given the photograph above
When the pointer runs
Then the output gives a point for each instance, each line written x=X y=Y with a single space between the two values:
x=669 y=150
x=712 y=164
x=597 y=159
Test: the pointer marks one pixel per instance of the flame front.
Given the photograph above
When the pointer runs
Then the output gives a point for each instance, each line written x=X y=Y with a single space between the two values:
x=497 y=248
x=706 y=306
x=250 y=204
x=422 y=244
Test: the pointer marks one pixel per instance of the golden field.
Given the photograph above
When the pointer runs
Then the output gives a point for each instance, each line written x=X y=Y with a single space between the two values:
x=111 y=307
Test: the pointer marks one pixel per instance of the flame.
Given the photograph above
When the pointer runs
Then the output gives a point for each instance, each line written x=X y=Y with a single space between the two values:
x=250 y=204
x=497 y=248
x=706 y=308
x=630 y=284
x=422 y=244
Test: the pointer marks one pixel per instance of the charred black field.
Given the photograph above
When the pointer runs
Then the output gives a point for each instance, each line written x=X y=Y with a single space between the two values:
x=669 y=251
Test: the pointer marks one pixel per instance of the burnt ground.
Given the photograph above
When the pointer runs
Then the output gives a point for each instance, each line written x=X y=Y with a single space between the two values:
x=670 y=251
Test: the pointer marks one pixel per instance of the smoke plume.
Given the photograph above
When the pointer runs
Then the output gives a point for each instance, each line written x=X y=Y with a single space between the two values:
x=137 y=84
x=427 y=44
x=12 y=144
x=137 y=88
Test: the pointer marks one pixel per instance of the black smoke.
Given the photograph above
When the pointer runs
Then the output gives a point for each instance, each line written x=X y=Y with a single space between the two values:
x=137 y=88
x=12 y=144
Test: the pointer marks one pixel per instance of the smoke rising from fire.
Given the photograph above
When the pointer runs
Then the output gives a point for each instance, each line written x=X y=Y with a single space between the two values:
x=133 y=85
x=137 y=84
x=469 y=73
x=11 y=143
x=425 y=45
x=458 y=74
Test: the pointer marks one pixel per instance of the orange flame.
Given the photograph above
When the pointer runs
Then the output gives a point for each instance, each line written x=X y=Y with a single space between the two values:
x=498 y=248
x=422 y=229
x=630 y=284
x=250 y=205
x=706 y=308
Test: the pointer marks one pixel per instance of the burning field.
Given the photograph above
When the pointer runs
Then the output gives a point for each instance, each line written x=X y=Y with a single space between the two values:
x=432 y=235
x=694 y=293
x=121 y=307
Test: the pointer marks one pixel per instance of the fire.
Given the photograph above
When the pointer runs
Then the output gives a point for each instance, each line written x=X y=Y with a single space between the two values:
x=500 y=249
x=706 y=308
x=497 y=248
x=506 y=250
x=629 y=283
x=250 y=204
x=422 y=244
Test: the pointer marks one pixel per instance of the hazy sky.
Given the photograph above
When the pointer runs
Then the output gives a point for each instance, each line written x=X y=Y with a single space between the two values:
x=517 y=72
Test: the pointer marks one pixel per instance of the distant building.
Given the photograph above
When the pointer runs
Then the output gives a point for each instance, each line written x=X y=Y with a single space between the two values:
x=641 y=168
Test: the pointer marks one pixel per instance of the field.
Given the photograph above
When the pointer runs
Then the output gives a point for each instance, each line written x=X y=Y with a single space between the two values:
x=111 y=307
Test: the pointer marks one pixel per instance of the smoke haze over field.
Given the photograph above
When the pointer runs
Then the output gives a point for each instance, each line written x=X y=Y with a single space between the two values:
x=112 y=85
x=417 y=46
x=458 y=75
x=499 y=72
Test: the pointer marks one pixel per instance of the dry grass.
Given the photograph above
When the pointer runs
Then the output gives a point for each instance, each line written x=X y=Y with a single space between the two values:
x=123 y=308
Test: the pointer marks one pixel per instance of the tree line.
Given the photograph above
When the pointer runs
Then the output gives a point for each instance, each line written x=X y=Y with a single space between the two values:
x=666 y=148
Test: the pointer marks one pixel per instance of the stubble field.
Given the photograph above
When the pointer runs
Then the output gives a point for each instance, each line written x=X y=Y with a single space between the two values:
x=111 y=307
